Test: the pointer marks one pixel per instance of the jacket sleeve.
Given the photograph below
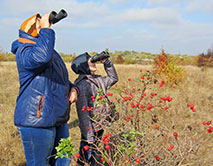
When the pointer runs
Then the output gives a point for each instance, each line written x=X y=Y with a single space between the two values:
x=112 y=76
x=34 y=57
x=82 y=103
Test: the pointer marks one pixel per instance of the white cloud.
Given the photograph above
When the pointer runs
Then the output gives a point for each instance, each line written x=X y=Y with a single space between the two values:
x=192 y=31
x=157 y=15
x=156 y=2
x=72 y=6
x=199 y=6
x=118 y=1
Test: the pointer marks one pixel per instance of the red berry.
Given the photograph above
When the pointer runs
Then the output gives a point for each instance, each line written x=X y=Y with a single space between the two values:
x=84 y=108
x=171 y=146
x=175 y=134
x=132 y=105
x=147 y=78
x=204 y=123
x=149 y=106
x=102 y=159
x=157 y=158
x=209 y=122
x=138 y=160
x=107 y=147
x=166 y=108
x=107 y=140
x=169 y=149
x=129 y=79
x=127 y=118
x=209 y=131
x=157 y=126
x=78 y=155
x=86 y=147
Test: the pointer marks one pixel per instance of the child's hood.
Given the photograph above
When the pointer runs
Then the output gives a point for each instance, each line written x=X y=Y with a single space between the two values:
x=80 y=64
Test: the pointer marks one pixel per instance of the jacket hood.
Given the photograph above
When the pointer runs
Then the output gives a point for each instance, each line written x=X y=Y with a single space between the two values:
x=22 y=35
x=29 y=25
x=80 y=64
x=15 y=46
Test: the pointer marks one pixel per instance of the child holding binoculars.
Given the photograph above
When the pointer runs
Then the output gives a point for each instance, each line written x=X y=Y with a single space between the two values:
x=89 y=83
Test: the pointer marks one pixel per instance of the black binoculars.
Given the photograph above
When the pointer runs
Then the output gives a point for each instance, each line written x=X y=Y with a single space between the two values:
x=55 y=17
x=103 y=55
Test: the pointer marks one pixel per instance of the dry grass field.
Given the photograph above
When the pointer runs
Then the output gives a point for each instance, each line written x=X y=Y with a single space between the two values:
x=196 y=88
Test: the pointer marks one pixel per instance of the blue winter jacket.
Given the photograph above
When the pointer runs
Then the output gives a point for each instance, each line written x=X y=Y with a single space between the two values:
x=44 y=86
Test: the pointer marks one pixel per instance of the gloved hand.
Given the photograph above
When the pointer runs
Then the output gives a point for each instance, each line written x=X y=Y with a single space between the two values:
x=98 y=57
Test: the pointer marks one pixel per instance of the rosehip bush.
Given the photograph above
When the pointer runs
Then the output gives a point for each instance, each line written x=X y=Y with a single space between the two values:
x=150 y=131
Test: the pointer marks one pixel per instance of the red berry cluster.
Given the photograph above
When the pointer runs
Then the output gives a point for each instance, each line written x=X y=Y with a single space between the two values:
x=210 y=129
x=109 y=94
x=93 y=98
x=87 y=108
x=106 y=138
x=192 y=107
x=168 y=98
x=171 y=147
x=161 y=85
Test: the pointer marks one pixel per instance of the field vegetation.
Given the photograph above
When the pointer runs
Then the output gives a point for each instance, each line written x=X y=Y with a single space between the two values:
x=182 y=124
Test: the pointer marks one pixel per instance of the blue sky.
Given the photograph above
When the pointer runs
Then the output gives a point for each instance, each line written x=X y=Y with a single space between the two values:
x=178 y=26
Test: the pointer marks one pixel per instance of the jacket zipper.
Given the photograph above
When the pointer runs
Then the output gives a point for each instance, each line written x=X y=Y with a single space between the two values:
x=40 y=106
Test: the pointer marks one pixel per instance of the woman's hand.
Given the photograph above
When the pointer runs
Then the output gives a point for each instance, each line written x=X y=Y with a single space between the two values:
x=73 y=95
x=44 y=21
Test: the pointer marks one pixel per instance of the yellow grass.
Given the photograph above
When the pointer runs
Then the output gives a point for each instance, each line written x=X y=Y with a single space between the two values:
x=196 y=89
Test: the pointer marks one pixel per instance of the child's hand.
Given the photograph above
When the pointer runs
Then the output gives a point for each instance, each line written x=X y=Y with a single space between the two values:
x=73 y=95
x=102 y=61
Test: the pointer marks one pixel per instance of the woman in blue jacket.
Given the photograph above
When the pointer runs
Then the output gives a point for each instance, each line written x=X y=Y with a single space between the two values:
x=45 y=94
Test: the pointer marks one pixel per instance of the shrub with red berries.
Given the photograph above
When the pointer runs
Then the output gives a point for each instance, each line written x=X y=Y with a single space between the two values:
x=150 y=129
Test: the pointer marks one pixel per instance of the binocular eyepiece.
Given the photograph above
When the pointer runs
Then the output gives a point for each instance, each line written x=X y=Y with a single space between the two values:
x=98 y=57
x=55 y=17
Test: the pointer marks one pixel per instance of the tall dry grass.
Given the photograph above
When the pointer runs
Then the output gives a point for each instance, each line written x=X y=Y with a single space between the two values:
x=197 y=89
